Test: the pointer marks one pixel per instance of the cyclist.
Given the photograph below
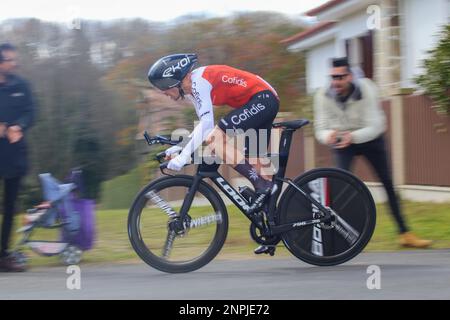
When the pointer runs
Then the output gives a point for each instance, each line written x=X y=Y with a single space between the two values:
x=255 y=105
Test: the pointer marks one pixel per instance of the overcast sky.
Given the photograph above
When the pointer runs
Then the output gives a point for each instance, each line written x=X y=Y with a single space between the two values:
x=164 y=10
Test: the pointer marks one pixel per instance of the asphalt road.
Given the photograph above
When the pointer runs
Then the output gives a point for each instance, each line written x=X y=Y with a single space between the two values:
x=403 y=275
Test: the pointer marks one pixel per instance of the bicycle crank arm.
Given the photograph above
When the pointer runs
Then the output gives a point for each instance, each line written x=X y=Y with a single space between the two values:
x=276 y=230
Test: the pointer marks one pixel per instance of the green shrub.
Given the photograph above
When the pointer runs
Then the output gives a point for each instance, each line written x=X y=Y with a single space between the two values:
x=436 y=78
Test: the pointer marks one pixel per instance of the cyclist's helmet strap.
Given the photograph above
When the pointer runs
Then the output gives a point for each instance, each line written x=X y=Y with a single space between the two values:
x=169 y=71
x=181 y=91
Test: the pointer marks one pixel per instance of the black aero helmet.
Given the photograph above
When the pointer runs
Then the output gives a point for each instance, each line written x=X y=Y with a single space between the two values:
x=169 y=71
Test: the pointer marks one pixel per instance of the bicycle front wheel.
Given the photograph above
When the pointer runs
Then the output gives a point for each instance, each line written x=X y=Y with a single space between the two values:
x=165 y=242
x=351 y=204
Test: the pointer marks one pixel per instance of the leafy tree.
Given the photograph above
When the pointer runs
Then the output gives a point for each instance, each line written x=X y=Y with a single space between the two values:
x=86 y=82
x=436 y=78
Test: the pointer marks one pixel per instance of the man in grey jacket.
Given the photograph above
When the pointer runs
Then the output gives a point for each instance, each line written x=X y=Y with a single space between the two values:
x=348 y=118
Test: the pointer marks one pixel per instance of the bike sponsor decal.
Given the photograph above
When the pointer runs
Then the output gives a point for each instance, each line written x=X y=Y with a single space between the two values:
x=248 y=113
x=345 y=230
x=242 y=203
x=169 y=244
x=305 y=223
x=203 y=221
x=169 y=72
x=235 y=81
x=318 y=192
x=161 y=203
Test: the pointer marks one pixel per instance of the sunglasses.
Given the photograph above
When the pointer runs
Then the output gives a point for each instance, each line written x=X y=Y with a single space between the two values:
x=7 y=60
x=338 y=76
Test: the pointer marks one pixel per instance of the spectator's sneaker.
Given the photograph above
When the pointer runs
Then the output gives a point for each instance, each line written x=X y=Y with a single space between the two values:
x=10 y=264
x=261 y=198
x=265 y=249
x=409 y=239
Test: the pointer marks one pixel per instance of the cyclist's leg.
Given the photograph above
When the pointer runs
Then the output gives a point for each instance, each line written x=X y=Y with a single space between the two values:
x=244 y=123
x=226 y=148
x=254 y=149
x=222 y=146
x=263 y=164
x=266 y=168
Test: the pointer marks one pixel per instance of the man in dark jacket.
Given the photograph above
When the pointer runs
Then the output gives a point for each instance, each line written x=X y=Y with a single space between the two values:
x=16 y=116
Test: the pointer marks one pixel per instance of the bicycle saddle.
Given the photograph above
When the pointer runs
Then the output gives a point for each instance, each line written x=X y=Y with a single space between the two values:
x=294 y=124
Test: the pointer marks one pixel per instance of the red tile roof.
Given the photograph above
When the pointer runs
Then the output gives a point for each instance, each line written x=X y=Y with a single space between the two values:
x=325 y=6
x=309 y=32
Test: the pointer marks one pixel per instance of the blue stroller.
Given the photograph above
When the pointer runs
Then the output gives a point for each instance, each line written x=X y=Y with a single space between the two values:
x=63 y=209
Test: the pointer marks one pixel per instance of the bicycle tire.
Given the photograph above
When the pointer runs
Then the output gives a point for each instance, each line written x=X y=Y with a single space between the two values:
x=160 y=263
x=342 y=190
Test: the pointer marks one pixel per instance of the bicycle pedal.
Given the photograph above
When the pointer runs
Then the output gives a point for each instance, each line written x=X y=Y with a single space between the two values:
x=271 y=251
x=265 y=249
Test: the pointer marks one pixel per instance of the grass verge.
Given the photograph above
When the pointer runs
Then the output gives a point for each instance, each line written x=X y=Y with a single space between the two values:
x=427 y=220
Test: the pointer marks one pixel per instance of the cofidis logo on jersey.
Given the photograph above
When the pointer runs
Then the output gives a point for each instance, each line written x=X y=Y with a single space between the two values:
x=196 y=94
x=234 y=80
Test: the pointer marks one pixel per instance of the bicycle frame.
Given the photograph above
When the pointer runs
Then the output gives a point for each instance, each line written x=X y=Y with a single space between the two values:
x=321 y=192
x=210 y=171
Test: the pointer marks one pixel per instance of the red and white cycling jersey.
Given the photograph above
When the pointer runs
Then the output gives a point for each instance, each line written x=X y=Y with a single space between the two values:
x=228 y=86
x=220 y=85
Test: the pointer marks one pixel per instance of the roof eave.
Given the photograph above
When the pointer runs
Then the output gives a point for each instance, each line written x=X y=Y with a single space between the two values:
x=313 y=41
x=342 y=9
x=322 y=27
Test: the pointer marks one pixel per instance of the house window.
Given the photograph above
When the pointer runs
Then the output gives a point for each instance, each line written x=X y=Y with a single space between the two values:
x=359 y=51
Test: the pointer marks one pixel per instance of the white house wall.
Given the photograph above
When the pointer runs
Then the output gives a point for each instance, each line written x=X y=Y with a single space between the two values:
x=318 y=57
x=351 y=27
x=421 y=21
x=317 y=65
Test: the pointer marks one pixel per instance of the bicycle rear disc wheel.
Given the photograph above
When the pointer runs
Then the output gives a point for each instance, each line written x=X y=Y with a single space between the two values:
x=352 y=206
x=151 y=231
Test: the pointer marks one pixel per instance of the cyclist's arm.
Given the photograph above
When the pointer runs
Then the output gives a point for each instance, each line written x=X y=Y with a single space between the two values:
x=201 y=97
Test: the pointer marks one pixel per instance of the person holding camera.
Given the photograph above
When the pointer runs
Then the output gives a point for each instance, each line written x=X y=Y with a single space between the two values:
x=348 y=118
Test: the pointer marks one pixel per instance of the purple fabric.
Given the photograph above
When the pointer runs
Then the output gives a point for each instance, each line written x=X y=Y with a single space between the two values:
x=84 y=237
